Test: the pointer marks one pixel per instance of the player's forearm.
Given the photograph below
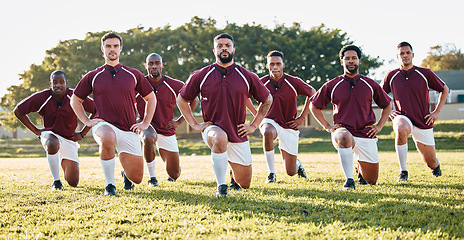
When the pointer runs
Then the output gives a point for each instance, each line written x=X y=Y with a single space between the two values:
x=263 y=109
x=442 y=99
x=24 y=119
x=384 y=115
x=305 y=111
x=78 y=108
x=150 y=108
x=319 y=116
x=186 y=111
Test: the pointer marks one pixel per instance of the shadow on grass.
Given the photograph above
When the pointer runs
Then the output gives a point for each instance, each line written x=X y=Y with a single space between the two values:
x=393 y=210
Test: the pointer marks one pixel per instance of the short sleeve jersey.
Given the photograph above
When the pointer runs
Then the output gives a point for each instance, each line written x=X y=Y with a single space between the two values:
x=57 y=116
x=114 y=91
x=352 y=100
x=223 y=95
x=284 y=94
x=166 y=91
x=411 y=92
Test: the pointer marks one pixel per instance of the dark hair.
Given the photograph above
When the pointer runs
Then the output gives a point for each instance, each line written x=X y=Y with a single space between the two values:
x=57 y=72
x=223 y=35
x=111 y=35
x=275 y=53
x=153 y=55
x=350 y=47
x=403 y=44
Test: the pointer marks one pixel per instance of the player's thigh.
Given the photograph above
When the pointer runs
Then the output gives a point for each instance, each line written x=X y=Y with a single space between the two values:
x=369 y=171
x=71 y=171
x=268 y=131
x=215 y=138
x=242 y=174
x=290 y=162
x=132 y=165
x=171 y=158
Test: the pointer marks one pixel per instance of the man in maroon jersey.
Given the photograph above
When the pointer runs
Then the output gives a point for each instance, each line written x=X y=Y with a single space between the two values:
x=58 y=137
x=114 y=88
x=162 y=129
x=281 y=121
x=354 y=128
x=224 y=88
x=410 y=87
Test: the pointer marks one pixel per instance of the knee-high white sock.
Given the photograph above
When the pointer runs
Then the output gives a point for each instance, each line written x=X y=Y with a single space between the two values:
x=108 y=170
x=269 y=155
x=54 y=163
x=220 y=166
x=402 y=153
x=346 y=159
x=151 y=168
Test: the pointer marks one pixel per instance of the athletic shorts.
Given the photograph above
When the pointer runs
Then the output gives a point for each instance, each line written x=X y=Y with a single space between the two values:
x=126 y=141
x=239 y=153
x=424 y=136
x=68 y=148
x=365 y=150
x=288 y=138
x=168 y=143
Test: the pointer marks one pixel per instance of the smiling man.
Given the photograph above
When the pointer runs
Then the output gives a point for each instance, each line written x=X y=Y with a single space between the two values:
x=410 y=86
x=353 y=128
x=225 y=89
x=282 y=121
x=114 y=87
x=58 y=137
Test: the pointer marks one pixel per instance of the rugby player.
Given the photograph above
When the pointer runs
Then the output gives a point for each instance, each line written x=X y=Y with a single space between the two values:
x=224 y=88
x=58 y=136
x=282 y=121
x=410 y=86
x=114 y=87
x=354 y=128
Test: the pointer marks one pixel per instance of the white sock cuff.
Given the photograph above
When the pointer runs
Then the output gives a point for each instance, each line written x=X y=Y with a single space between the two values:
x=151 y=164
x=402 y=147
x=219 y=156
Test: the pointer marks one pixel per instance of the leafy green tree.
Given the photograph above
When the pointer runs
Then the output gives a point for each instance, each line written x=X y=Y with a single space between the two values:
x=309 y=54
x=444 y=57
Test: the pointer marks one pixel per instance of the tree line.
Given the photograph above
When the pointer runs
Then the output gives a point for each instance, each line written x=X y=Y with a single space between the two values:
x=309 y=54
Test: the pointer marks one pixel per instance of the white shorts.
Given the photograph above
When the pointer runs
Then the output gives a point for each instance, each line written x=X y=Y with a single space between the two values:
x=126 y=141
x=365 y=149
x=424 y=136
x=68 y=148
x=168 y=143
x=288 y=138
x=239 y=153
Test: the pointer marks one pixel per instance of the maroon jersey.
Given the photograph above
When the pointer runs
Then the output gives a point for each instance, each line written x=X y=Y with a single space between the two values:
x=114 y=90
x=166 y=91
x=284 y=93
x=57 y=116
x=411 y=92
x=223 y=95
x=352 y=100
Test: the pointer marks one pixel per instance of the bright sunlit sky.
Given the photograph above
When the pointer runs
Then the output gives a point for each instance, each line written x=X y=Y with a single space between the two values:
x=29 y=28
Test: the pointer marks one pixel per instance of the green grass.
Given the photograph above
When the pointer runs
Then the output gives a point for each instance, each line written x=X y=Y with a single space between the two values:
x=449 y=136
x=425 y=207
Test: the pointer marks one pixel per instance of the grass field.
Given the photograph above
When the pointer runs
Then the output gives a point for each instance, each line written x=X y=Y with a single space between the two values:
x=425 y=207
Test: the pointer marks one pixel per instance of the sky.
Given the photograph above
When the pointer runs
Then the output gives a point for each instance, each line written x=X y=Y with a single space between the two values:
x=29 y=28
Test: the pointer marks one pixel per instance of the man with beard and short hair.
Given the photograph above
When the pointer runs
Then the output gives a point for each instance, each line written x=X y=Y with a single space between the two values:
x=114 y=87
x=410 y=87
x=58 y=137
x=354 y=128
x=282 y=121
x=162 y=129
x=224 y=88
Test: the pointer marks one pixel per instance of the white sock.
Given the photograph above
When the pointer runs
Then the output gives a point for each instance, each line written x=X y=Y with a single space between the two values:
x=298 y=164
x=220 y=166
x=151 y=168
x=346 y=159
x=108 y=170
x=54 y=164
x=402 y=153
x=269 y=155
